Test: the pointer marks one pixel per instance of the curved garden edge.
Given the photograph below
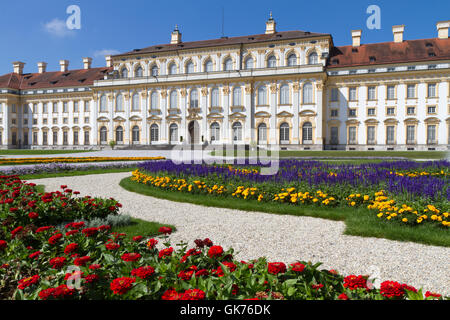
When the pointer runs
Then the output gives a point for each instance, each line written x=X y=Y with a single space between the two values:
x=359 y=222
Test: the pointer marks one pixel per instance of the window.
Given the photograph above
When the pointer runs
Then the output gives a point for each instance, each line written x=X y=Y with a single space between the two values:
x=249 y=63
x=139 y=72
x=65 y=120
x=44 y=108
x=119 y=102
x=215 y=97
x=411 y=91
x=173 y=132
x=352 y=112
x=86 y=119
x=44 y=138
x=334 y=94
x=334 y=113
x=75 y=107
x=124 y=73
x=352 y=94
x=431 y=109
x=135 y=135
x=25 y=121
x=431 y=134
x=352 y=135
x=35 y=108
x=173 y=100
x=44 y=121
x=262 y=133
x=284 y=133
x=410 y=134
x=154 y=101
x=86 y=137
x=34 y=121
x=86 y=106
x=154 y=133
x=209 y=66
x=237 y=131
x=119 y=135
x=272 y=62
x=66 y=107
x=262 y=96
x=390 y=135
x=237 y=101
x=292 y=60
x=75 y=138
x=371 y=135
x=411 y=111
x=371 y=111
x=35 y=138
x=135 y=104
x=172 y=68
x=307 y=133
x=307 y=93
x=55 y=138
x=65 y=138
x=228 y=64
x=193 y=102
x=371 y=93
x=390 y=111
x=14 y=110
x=103 y=104
x=75 y=120
x=190 y=67
x=334 y=135
x=313 y=58
x=431 y=90
x=103 y=135
x=391 y=92
x=154 y=71
x=284 y=95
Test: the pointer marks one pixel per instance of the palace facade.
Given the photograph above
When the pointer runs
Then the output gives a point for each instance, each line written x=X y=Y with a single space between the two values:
x=291 y=90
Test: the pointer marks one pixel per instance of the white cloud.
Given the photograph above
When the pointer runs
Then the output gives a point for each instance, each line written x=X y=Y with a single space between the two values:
x=58 y=28
x=105 y=52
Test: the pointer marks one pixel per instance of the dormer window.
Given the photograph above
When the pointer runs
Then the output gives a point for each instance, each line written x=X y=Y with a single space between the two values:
x=372 y=59
x=335 y=61
x=431 y=54
x=354 y=49
x=429 y=45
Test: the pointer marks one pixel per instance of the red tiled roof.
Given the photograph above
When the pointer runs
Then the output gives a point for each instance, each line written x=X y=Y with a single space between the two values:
x=285 y=35
x=71 y=78
x=390 y=52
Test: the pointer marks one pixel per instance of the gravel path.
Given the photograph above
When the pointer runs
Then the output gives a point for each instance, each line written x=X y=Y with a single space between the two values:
x=279 y=238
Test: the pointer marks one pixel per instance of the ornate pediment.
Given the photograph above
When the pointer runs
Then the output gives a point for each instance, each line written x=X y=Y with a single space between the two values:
x=135 y=118
x=119 y=119
x=285 y=114
x=212 y=116
x=102 y=119
x=153 y=118
x=237 y=115
x=262 y=114
x=307 y=113
x=391 y=120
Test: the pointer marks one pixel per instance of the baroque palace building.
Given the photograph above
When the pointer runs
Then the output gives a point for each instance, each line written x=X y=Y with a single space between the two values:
x=290 y=90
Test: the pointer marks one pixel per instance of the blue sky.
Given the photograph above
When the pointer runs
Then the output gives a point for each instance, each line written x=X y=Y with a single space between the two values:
x=35 y=31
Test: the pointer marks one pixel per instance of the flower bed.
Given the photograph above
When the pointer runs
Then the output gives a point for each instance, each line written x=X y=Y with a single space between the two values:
x=407 y=192
x=17 y=161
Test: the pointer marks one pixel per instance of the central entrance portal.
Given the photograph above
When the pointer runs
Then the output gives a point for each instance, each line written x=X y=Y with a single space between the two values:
x=194 y=132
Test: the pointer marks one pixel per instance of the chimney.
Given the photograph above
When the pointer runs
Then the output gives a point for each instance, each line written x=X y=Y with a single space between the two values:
x=108 y=61
x=18 y=67
x=442 y=28
x=42 y=67
x=64 y=65
x=176 y=36
x=271 y=25
x=87 y=63
x=398 y=33
x=356 y=37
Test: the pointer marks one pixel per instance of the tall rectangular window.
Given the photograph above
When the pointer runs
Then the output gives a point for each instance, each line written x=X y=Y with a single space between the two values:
x=44 y=138
x=352 y=135
x=431 y=90
x=65 y=107
x=35 y=138
x=431 y=134
x=334 y=94
x=55 y=138
x=390 y=135
x=371 y=135
x=410 y=134
x=75 y=107
x=371 y=93
x=334 y=135
x=65 y=138
x=411 y=91
x=391 y=92
x=75 y=138
x=86 y=106
x=86 y=137
x=55 y=107
x=352 y=94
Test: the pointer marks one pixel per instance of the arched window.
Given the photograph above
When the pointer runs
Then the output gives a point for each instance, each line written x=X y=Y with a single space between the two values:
x=173 y=132
x=154 y=70
x=215 y=131
x=228 y=64
x=154 y=133
x=103 y=135
x=103 y=104
x=193 y=101
x=262 y=96
x=173 y=100
x=136 y=102
x=119 y=102
x=249 y=63
x=292 y=60
x=237 y=131
x=262 y=133
x=135 y=134
x=307 y=93
x=215 y=97
x=237 y=99
x=313 y=58
x=124 y=72
x=284 y=133
x=271 y=62
x=284 y=94
x=119 y=135
x=139 y=72
x=154 y=101
x=307 y=133
x=172 y=68
x=190 y=67
x=209 y=66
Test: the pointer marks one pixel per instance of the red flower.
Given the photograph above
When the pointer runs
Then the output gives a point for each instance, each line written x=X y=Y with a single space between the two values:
x=3 y=244
x=353 y=282
x=71 y=248
x=391 y=289
x=112 y=246
x=201 y=273
x=231 y=266
x=90 y=278
x=43 y=229
x=409 y=288
x=58 y=262
x=137 y=238
x=94 y=266
x=165 y=230
x=35 y=255
x=298 y=267
x=432 y=294
x=143 y=272
x=63 y=291
x=74 y=275
x=215 y=251
x=171 y=294
x=193 y=294
x=82 y=261
x=71 y=232
x=131 y=257
x=122 y=285
x=54 y=239
x=152 y=243
x=16 y=231
x=89 y=232
x=317 y=286
x=63 y=187
x=27 y=282
x=47 y=293
x=165 y=253
x=343 y=296
x=33 y=215
x=235 y=289
x=276 y=268
x=186 y=275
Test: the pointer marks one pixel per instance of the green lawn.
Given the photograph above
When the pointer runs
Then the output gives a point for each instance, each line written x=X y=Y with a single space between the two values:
x=359 y=222
x=74 y=173
x=39 y=152
x=432 y=155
